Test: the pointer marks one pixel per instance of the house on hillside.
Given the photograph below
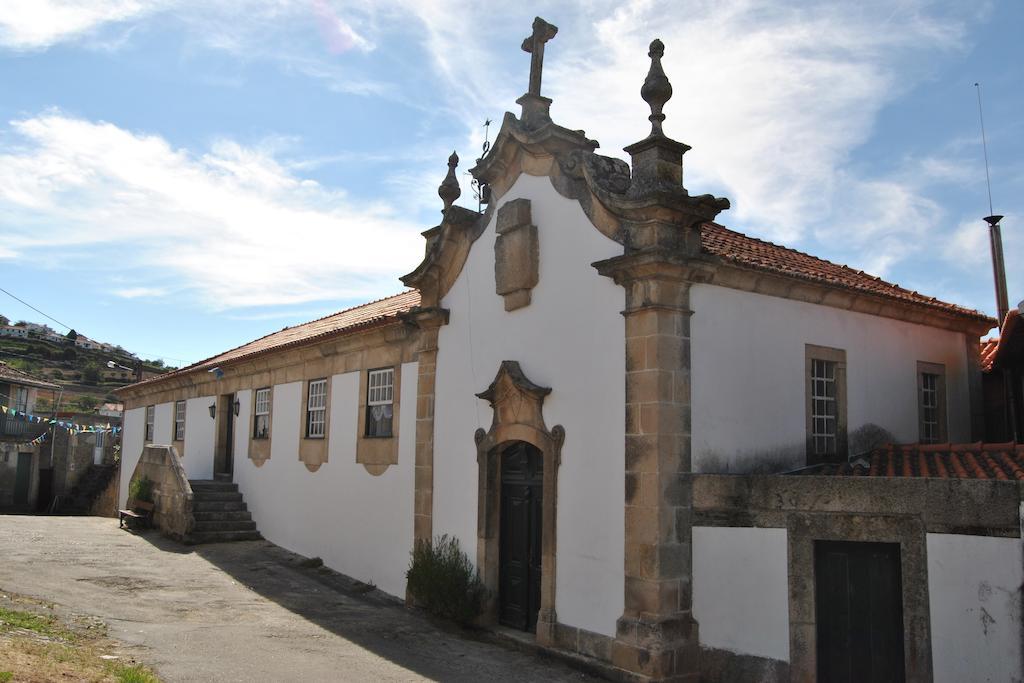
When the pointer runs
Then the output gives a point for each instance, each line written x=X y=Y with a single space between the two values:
x=13 y=331
x=663 y=442
x=23 y=475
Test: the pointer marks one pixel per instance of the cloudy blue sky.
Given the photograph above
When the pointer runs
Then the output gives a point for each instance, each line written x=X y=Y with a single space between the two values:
x=181 y=176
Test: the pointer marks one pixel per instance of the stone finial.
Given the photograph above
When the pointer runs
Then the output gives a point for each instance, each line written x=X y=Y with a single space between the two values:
x=656 y=90
x=449 y=190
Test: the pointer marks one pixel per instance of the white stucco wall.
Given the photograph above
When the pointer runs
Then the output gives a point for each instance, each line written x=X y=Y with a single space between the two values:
x=200 y=438
x=163 y=425
x=570 y=338
x=359 y=524
x=974 y=586
x=749 y=375
x=741 y=590
x=131 y=449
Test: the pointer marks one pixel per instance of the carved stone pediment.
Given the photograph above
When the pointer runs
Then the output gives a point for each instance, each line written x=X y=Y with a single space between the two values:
x=515 y=399
x=447 y=249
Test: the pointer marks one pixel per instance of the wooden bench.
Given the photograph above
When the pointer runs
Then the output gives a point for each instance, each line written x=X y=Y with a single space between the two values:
x=139 y=511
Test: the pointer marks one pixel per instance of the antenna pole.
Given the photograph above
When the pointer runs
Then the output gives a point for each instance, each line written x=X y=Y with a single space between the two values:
x=984 y=149
x=994 y=231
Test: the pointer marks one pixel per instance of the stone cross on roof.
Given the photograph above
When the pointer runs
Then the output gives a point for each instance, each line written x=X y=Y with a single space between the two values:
x=534 y=44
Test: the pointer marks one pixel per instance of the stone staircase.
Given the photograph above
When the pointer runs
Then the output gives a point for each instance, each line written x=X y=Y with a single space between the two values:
x=90 y=486
x=220 y=513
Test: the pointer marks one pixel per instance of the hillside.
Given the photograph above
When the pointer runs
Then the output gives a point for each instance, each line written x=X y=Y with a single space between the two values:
x=83 y=373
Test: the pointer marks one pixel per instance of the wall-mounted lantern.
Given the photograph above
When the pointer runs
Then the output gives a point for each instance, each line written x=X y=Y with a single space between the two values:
x=238 y=406
x=213 y=410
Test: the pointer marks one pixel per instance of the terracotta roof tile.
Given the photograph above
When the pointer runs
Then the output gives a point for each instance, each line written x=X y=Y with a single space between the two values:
x=988 y=352
x=15 y=376
x=754 y=253
x=1001 y=461
x=337 y=324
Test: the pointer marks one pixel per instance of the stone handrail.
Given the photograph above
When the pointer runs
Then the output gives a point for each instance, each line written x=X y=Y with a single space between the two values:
x=172 y=494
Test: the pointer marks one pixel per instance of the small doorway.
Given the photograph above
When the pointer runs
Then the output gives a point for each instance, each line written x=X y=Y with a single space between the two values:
x=225 y=454
x=23 y=479
x=859 y=606
x=519 y=573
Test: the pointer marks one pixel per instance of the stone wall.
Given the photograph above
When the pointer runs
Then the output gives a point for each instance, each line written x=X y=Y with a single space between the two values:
x=172 y=494
x=916 y=513
x=105 y=504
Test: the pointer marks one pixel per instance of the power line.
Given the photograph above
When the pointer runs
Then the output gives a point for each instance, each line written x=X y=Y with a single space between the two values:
x=34 y=308
x=138 y=353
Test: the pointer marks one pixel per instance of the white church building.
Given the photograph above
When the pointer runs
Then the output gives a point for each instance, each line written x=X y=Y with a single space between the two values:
x=661 y=440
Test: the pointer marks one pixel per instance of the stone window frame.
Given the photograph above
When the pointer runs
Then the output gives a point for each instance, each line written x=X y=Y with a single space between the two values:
x=941 y=408
x=309 y=411
x=179 y=420
x=256 y=414
x=370 y=403
x=150 y=427
x=813 y=352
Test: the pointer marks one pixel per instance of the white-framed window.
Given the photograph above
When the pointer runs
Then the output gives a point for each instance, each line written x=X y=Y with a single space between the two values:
x=826 y=403
x=261 y=416
x=316 y=409
x=179 y=420
x=21 y=399
x=824 y=412
x=150 y=419
x=931 y=402
x=380 y=402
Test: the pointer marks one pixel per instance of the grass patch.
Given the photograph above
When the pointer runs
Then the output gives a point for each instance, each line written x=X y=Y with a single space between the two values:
x=11 y=620
x=135 y=673
x=37 y=647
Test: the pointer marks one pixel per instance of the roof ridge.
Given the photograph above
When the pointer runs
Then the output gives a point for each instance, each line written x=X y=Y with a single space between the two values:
x=886 y=288
x=200 y=364
x=192 y=366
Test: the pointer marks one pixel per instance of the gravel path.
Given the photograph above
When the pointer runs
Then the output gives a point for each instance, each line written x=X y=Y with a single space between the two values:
x=245 y=611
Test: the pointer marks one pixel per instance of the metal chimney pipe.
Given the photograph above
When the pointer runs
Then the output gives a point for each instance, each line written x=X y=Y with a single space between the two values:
x=998 y=267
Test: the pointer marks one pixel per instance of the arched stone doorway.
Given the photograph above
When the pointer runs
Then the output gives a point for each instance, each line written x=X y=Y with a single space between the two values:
x=518 y=429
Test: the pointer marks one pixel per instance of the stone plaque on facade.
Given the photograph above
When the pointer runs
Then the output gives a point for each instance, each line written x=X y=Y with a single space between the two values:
x=516 y=254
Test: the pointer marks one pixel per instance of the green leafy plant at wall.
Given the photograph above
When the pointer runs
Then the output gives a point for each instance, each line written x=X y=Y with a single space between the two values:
x=141 y=489
x=442 y=579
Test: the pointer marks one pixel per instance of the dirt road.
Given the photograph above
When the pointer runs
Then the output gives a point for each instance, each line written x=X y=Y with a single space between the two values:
x=243 y=611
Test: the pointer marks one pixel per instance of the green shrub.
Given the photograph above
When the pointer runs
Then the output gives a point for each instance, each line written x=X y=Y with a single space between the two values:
x=141 y=489
x=441 y=579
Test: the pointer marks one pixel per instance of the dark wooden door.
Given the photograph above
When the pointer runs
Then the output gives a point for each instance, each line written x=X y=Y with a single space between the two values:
x=522 y=485
x=859 y=598
x=23 y=479
x=229 y=451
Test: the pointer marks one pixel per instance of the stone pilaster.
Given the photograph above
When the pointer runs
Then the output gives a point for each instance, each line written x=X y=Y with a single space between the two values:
x=429 y=321
x=656 y=635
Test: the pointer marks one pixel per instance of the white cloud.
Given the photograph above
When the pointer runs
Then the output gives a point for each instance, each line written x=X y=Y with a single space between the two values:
x=140 y=292
x=231 y=227
x=33 y=24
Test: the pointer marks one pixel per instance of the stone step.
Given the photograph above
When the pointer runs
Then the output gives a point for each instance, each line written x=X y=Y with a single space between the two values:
x=217 y=505
x=216 y=495
x=212 y=485
x=223 y=536
x=221 y=515
x=224 y=525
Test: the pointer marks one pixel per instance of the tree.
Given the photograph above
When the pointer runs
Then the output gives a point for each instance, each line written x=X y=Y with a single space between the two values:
x=4 y=320
x=71 y=336
x=91 y=373
x=87 y=403
x=69 y=354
